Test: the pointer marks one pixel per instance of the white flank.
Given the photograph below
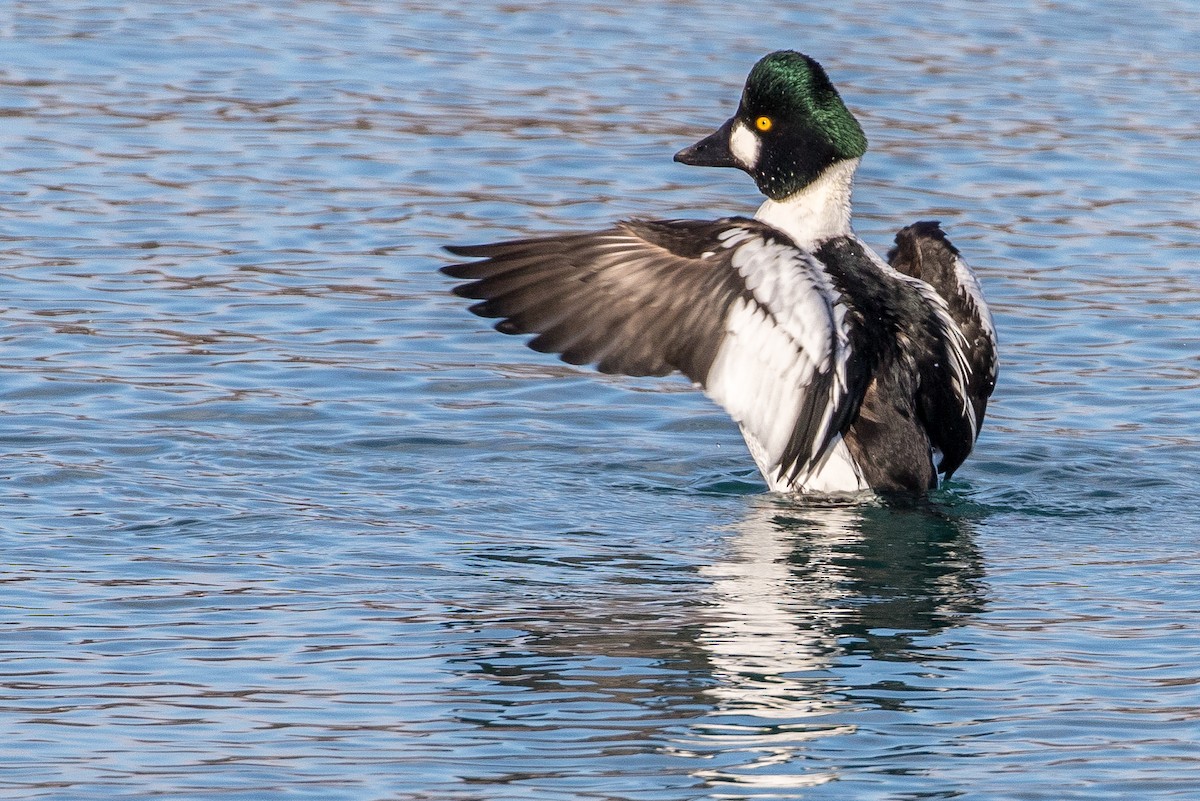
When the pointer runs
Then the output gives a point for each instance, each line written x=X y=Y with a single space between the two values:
x=837 y=472
x=817 y=212
x=774 y=346
x=745 y=145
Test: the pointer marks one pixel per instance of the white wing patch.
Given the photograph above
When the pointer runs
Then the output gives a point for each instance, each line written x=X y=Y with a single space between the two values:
x=758 y=376
x=776 y=343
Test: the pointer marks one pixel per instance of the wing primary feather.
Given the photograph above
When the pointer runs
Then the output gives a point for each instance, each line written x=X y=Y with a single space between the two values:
x=650 y=297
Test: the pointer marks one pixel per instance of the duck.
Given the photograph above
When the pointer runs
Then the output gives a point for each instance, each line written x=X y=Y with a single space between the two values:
x=845 y=372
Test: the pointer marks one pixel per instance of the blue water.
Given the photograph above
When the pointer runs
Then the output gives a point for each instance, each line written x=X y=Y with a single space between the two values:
x=282 y=520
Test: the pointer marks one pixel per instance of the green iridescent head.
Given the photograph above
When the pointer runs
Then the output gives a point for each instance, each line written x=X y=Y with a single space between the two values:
x=790 y=126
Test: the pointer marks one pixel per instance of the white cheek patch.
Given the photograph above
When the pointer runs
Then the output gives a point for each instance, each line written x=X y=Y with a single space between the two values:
x=744 y=144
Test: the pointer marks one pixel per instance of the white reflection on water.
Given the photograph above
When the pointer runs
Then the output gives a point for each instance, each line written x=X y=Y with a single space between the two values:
x=768 y=645
x=767 y=629
x=803 y=586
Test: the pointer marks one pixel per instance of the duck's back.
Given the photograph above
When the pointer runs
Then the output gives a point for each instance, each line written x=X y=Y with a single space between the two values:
x=917 y=402
x=923 y=251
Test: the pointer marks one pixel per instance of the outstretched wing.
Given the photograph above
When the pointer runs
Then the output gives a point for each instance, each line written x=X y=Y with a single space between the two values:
x=923 y=251
x=732 y=304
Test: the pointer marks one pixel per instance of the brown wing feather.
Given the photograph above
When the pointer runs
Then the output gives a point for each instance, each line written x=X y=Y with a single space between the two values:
x=624 y=299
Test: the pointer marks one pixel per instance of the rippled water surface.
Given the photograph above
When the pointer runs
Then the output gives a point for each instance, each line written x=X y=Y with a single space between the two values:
x=282 y=520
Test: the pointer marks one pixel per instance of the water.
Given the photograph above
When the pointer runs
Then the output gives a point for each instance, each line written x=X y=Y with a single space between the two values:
x=282 y=520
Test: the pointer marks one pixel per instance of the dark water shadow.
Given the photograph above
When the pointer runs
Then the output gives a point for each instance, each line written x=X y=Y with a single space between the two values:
x=895 y=571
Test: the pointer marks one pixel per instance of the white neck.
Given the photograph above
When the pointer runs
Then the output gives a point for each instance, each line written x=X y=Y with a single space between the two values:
x=817 y=212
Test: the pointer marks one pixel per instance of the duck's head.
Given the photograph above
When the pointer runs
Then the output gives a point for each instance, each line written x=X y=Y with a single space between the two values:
x=789 y=128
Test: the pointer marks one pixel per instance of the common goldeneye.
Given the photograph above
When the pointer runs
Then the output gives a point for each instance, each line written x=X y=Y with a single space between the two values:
x=844 y=372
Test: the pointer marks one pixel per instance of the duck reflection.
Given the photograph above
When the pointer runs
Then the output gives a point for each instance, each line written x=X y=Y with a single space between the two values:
x=844 y=578
x=810 y=592
x=810 y=616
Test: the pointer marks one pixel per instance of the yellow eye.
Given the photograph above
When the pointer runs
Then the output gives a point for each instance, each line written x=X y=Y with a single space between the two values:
x=763 y=123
